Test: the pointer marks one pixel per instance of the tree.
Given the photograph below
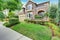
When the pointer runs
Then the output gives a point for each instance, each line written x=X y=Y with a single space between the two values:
x=53 y=11
x=58 y=16
x=1 y=2
x=14 y=5
x=10 y=4
x=59 y=10
x=2 y=16
x=11 y=14
x=53 y=14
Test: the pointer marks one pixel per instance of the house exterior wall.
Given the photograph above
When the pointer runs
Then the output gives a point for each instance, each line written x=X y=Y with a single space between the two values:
x=43 y=7
x=38 y=7
x=32 y=10
x=29 y=3
x=22 y=17
x=6 y=11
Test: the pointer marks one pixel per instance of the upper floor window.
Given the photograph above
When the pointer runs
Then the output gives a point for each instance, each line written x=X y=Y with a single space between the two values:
x=29 y=7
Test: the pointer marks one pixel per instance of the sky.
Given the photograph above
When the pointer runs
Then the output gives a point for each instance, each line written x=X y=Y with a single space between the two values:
x=54 y=1
x=40 y=1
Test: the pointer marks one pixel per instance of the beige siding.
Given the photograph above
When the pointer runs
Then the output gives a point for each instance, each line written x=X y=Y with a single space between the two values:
x=22 y=18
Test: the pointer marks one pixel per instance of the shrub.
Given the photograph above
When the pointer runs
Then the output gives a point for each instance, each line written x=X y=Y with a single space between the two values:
x=7 y=24
x=36 y=22
x=38 y=17
x=53 y=27
x=2 y=16
x=11 y=14
x=15 y=16
x=12 y=21
x=26 y=20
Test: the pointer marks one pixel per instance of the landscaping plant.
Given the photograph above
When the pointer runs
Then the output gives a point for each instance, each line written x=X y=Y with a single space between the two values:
x=11 y=22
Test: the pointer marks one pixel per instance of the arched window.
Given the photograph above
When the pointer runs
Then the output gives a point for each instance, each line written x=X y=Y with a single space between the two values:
x=41 y=13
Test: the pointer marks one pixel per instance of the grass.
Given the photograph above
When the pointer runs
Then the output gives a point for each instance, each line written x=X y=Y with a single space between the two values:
x=33 y=31
x=56 y=38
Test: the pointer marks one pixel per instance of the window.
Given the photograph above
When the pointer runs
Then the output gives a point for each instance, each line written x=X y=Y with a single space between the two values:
x=29 y=7
x=30 y=15
x=41 y=13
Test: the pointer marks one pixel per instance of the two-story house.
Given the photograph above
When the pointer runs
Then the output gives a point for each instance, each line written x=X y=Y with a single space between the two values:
x=31 y=9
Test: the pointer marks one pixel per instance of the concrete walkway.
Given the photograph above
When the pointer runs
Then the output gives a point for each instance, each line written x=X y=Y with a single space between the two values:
x=9 y=34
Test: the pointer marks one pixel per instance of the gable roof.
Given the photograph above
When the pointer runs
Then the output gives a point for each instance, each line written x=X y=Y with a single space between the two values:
x=39 y=3
x=32 y=2
x=43 y=3
x=36 y=3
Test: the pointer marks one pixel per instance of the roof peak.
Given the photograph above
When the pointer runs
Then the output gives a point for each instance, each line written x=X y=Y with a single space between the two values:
x=30 y=0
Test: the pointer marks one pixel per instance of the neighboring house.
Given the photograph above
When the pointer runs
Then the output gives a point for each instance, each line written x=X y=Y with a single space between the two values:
x=6 y=11
x=31 y=9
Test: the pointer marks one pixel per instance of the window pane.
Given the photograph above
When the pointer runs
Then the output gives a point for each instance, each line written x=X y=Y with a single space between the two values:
x=30 y=7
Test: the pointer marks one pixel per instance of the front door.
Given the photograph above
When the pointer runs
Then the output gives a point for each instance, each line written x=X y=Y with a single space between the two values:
x=30 y=15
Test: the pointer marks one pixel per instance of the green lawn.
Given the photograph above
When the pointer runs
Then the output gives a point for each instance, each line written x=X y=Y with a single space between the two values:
x=33 y=31
x=55 y=38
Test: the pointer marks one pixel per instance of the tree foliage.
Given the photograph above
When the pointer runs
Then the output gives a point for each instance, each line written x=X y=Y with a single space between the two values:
x=53 y=11
x=1 y=2
x=59 y=10
x=2 y=16
x=10 y=4
x=11 y=14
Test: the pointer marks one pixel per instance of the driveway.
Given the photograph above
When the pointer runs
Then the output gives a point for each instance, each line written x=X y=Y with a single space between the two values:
x=9 y=34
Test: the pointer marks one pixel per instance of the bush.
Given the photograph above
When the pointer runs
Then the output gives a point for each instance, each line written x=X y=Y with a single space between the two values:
x=36 y=22
x=12 y=21
x=53 y=27
x=2 y=16
x=11 y=14
x=38 y=17
x=7 y=24
x=16 y=17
